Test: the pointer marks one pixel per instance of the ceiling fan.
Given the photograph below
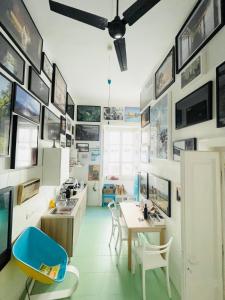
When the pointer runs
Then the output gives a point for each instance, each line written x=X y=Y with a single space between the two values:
x=116 y=28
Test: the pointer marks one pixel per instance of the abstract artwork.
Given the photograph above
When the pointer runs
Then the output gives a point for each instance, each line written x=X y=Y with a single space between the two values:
x=47 y=66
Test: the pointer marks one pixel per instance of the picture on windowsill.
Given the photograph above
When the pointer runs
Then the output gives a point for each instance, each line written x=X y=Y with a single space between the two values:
x=145 y=117
x=93 y=173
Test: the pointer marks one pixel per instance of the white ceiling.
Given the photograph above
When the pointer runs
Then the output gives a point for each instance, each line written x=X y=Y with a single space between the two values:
x=81 y=50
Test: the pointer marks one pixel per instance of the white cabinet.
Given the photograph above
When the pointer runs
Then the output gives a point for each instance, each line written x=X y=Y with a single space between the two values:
x=55 y=166
x=201 y=226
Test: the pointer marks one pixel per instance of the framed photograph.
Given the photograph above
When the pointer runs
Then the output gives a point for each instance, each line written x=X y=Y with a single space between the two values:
x=220 y=95
x=47 y=67
x=160 y=133
x=165 y=75
x=68 y=125
x=6 y=87
x=160 y=193
x=11 y=61
x=59 y=90
x=113 y=113
x=132 y=115
x=62 y=125
x=26 y=105
x=82 y=147
x=205 y=20
x=17 y=22
x=50 y=125
x=87 y=132
x=68 y=140
x=145 y=154
x=63 y=140
x=178 y=146
x=24 y=153
x=195 y=108
x=145 y=117
x=144 y=184
x=86 y=113
x=94 y=172
x=38 y=87
x=70 y=107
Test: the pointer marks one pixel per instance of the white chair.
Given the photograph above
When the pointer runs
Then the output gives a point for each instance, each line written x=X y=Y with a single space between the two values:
x=152 y=257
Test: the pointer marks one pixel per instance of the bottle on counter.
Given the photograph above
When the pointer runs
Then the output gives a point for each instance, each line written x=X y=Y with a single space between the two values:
x=145 y=212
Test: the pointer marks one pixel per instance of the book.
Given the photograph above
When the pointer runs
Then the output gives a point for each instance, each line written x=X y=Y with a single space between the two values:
x=50 y=271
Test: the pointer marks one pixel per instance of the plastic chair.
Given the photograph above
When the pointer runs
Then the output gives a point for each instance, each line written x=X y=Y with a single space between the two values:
x=151 y=258
x=34 y=248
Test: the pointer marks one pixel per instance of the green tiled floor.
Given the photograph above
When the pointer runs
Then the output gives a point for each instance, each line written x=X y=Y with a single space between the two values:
x=100 y=278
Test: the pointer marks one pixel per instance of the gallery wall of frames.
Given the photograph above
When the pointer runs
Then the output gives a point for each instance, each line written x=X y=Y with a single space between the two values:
x=182 y=104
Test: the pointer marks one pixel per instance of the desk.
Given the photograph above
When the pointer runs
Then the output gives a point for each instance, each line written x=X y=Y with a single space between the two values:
x=131 y=214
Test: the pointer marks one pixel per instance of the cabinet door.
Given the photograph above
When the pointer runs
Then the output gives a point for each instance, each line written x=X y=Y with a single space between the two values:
x=201 y=226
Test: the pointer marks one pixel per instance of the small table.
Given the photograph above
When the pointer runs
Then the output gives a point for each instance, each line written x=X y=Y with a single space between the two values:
x=133 y=218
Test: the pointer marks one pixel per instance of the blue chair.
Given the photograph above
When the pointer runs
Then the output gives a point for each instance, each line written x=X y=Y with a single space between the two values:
x=34 y=248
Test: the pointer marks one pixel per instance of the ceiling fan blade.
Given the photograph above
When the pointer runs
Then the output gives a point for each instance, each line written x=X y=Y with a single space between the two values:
x=79 y=15
x=120 y=47
x=137 y=10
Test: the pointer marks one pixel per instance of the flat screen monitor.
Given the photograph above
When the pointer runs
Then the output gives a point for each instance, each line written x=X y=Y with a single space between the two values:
x=160 y=193
x=6 y=204
x=144 y=184
x=195 y=108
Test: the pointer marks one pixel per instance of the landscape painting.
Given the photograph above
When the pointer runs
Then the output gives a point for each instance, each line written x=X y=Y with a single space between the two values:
x=86 y=113
x=50 y=125
x=132 y=114
x=191 y=72
x=59 y=90
x=113 y=113
x=5 y=114
x=87 y=132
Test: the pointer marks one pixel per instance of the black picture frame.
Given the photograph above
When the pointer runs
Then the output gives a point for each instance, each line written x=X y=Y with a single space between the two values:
x=68 y=141
x=220 y=95
x=82 y=147
x=191 y=72
x=86 y=132
x=88 y=113
x=195 y=108
x=145 y=117
x=158 y=196
x=19 y=25
x=113 y=113
x=51 y=126
x=62 y=125
x=5 y=255
x=24 y=150
x=197 y=10
x=11 y=61
x=26 y=105
x=46 y=66
x=165 y=67
x=38 y=87
x=143 y=184
x=59 y=90
x=70 y=106
x=186 y=144
x=6 y=104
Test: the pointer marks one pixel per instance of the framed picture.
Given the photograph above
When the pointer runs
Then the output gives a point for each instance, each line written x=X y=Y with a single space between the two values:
x=6 y=88
x=220 y=95
x=70 y=107
x=26 y=105
x=62 y=125
x=59 y=90
x=144 y=184
x=38 y=87
x=132 y=114
x=160 y=193
x=86 y=113
x=6 y=213
x=145 y=154
x=17 y=22
x=68 y=125
x=24 y=151
x=50 y=125
x=11 y=61
x=165 y=75
x=145 y=117
x=160 y=133
x=47 y=66
x=95 y=155
x=68 y=140
x=82 y=147
x=87 y=132
x=195 y=108
x=178 y=146
x=93 y=173
x=205 y=20
x=113 y=113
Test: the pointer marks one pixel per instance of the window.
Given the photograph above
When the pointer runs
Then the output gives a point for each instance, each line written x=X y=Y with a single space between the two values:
x=121 y=151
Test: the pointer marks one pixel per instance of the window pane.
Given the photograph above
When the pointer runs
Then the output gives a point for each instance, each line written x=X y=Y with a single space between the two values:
x=128 y=137
x=113 y=169
x=127 y=153
x=127 y=170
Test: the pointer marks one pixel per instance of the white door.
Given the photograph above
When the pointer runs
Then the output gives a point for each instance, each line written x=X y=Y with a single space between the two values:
x=201 y=226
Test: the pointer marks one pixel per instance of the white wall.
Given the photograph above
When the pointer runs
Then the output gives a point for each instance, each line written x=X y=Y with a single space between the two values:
x=171 y=170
